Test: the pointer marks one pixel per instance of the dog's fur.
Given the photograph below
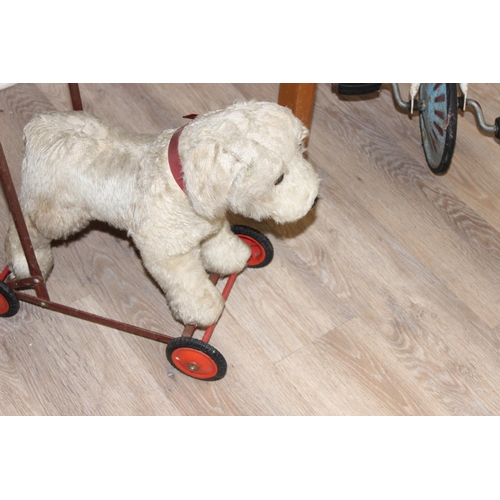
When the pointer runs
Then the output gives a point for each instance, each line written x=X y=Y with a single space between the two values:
x=77 y=168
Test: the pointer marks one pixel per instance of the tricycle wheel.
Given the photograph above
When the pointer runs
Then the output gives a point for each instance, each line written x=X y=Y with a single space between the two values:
x=196 y=358
x=259 y=243
x=438 y=124
x=9 y=303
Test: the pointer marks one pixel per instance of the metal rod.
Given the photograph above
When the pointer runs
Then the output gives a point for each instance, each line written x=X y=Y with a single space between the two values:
x=208 y=333
x=225 y=294
x=229 y=286
x=189 y=329
x=490 y=129
x=397 y=97
x=76 y=100
x=31 y=282
x=417 y=105
x=20 y=223
x=94 y=318
x=214 y=278
x=4 y=274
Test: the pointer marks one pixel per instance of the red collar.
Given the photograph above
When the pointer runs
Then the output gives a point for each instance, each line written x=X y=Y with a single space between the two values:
x=174 y=159
x=173 y=155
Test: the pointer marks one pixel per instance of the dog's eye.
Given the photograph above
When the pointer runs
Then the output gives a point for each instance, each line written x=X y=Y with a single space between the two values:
x=302 y=146
x=279 y=180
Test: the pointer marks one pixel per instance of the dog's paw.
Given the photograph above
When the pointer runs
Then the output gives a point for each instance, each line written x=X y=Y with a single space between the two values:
x=238 y=260
x=202 y=307
x=230 y=255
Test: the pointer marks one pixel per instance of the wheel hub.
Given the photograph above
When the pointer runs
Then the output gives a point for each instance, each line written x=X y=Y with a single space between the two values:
x=192 y=361
x=4 y=305
x=257 y=254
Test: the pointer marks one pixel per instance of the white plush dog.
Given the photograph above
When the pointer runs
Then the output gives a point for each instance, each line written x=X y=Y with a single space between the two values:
x=247 y=159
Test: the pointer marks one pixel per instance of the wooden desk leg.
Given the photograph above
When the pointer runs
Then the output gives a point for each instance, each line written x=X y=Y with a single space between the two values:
x=76 y=100
x=299 y=97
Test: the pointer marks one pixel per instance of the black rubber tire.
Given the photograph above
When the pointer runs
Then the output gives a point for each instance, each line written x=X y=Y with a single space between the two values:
x=9 y=303
x=358 y=88
x=439 y=161
x=259 y=238
x=201 y=347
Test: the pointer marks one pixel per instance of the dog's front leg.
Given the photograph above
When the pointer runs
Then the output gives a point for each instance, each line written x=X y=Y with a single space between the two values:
x=192 y=297
x=225 y=253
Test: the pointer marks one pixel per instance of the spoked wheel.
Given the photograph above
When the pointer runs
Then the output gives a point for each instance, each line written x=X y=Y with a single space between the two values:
x=196 y=358
x=9 y=303
x=438 y=124
x=259 y=243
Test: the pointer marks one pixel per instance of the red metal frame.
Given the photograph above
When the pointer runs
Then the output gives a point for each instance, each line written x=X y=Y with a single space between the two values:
x=38 y=283
x=38 y=300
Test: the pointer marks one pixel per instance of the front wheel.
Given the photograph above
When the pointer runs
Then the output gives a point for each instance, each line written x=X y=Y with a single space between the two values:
x=259 y=243
x=196 y=358
x=438 y=124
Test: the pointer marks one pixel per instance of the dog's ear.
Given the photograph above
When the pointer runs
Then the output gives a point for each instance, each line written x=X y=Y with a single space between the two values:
x=209 y=171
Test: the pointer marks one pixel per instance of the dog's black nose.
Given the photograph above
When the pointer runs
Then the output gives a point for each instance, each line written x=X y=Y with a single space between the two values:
x=315 y=201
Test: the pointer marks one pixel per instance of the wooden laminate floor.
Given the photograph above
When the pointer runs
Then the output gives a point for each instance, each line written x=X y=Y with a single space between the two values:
x=383 y=301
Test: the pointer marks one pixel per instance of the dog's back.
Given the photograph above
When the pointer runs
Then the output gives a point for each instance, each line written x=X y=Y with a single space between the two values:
x=75 y=160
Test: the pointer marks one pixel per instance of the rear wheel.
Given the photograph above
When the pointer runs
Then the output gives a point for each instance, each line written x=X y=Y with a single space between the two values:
x=9 y=303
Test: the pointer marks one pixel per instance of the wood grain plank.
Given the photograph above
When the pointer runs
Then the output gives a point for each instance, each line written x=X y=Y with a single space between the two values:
x=414 y=206
x=355 y=377
x=383 y=301
x=424 y=325
x=77 y=368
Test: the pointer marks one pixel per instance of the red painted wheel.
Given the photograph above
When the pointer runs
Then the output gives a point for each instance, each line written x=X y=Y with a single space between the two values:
x=196 y=358
x=9 y=303
x=261 y=246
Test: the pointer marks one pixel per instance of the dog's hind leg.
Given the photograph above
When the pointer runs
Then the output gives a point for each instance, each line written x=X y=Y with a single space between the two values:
x=47 y=220
x=14 y=253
